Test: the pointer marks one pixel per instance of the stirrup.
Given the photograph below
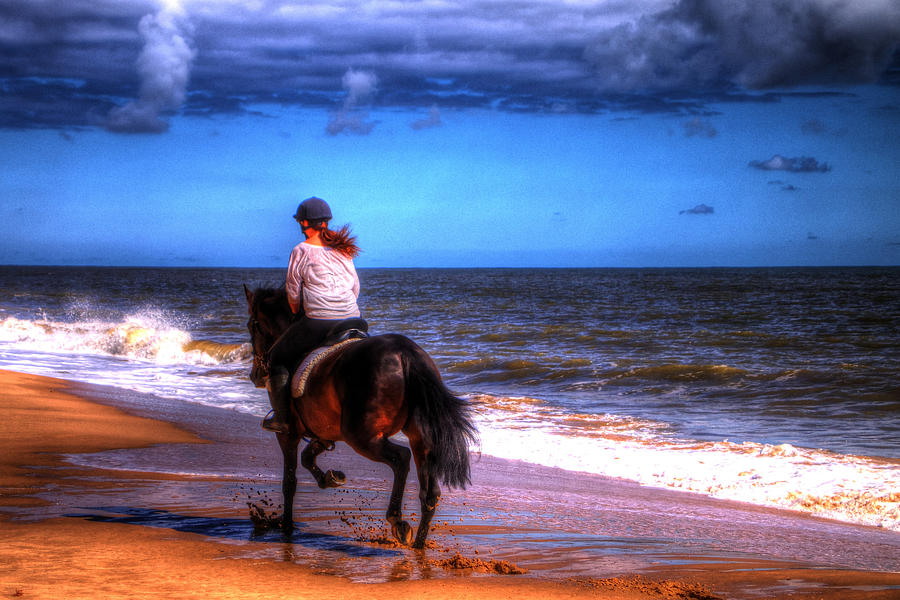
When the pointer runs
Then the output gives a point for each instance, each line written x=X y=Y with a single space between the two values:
x=270 y=424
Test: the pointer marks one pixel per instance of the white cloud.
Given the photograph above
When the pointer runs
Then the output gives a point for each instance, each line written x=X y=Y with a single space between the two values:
x=360 y=87
x=800 y=164
x=432 y=120
x=164 y=66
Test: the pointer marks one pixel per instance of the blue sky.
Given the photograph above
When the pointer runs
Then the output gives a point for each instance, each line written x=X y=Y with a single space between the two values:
x=540 y=133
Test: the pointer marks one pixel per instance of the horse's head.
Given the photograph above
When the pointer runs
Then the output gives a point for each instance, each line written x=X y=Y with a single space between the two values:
x=270 y=315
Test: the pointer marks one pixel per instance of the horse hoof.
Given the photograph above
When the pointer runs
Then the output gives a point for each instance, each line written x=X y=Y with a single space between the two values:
x=334 y=479
x=402 y=532
x=419 y=544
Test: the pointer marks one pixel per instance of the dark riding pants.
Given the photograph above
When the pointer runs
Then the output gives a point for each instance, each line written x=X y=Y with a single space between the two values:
x=302 y=337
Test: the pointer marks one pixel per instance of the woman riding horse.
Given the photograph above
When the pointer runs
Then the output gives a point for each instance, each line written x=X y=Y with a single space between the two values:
x=322 y=277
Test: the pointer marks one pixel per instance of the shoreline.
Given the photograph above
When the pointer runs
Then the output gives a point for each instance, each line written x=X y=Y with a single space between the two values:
x=170 y=482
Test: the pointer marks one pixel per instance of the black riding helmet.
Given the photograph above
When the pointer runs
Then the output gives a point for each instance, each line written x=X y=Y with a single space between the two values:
x=313 y=209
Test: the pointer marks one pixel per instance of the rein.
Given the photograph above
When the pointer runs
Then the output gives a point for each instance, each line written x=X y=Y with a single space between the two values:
x=259 y=359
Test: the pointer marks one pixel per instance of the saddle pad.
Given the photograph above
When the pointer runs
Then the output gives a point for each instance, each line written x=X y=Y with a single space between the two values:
x=298 y=381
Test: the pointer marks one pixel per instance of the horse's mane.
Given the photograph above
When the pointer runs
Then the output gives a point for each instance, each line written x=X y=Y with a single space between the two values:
x=272 y=300
x=269 y=291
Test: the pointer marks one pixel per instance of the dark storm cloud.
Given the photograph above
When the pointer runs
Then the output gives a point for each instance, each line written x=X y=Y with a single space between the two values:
x=643 y=56
x=802 y=164
x=760 y=44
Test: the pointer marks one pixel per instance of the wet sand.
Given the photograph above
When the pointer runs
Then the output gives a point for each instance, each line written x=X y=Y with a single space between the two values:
x=105 y=493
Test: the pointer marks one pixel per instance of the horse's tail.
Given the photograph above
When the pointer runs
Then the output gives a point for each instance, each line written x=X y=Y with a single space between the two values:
x=444 y=421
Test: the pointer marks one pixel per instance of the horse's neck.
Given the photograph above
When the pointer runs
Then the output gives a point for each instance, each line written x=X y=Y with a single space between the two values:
x=285 y=316
x=283 y=324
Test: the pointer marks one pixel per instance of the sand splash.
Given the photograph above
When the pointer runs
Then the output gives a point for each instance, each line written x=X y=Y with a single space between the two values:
x=264 y=513
x=460 y=562
x=665 y=589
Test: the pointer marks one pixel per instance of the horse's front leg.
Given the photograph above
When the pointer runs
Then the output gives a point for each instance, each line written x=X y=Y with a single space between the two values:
x=289 y=444
x=308 y=460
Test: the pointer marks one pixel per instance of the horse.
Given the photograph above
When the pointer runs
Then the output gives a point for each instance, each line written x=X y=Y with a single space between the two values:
x=363 y=394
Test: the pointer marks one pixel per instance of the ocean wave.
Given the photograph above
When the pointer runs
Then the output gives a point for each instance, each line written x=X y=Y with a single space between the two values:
x=804 y=376
x=849 y=488
x=218 y=352
x=514 y=411
x=520 y=370
x=613 y=333
x=139 y=337
x=677 y=372
x=496 y=370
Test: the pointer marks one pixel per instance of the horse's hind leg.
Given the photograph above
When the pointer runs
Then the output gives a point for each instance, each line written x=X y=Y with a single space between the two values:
x=429 y=490
x=397 y=457
x=308 y=460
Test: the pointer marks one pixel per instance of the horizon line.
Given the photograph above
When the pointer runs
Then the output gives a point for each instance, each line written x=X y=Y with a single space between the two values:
x=463 y=268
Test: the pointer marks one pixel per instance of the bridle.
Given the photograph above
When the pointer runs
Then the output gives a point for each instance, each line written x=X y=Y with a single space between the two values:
x=260 y=363
x=260 y=334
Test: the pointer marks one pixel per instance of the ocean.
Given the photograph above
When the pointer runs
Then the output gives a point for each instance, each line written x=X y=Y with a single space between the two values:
x=777 y=387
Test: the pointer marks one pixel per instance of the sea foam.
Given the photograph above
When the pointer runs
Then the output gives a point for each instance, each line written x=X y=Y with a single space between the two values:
x=848 y=488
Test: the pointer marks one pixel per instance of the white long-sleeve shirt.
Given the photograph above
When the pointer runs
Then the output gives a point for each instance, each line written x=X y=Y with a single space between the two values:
x=325 y=280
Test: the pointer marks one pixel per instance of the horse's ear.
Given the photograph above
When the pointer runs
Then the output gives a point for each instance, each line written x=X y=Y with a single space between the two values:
x=249 y=294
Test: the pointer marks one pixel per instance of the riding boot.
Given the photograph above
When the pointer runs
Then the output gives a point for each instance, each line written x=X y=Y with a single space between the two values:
x=279 y=386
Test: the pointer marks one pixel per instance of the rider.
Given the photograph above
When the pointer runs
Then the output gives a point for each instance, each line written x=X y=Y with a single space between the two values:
x=322 y=280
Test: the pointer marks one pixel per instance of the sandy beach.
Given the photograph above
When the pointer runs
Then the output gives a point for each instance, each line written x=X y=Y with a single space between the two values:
x=107 y=494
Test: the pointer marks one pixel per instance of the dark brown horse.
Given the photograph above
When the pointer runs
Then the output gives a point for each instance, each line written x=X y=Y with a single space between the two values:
x=362 y=395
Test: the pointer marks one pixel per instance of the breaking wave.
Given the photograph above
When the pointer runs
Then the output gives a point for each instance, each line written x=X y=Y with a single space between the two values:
x=139 y=337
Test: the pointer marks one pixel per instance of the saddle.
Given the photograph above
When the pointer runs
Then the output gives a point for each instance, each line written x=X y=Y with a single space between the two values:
x=346 y=329
x=346 y=332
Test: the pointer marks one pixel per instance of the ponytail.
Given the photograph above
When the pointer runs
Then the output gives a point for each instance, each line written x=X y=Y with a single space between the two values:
x=340 y=240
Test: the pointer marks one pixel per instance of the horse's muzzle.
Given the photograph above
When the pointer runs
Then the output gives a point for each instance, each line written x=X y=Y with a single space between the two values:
x=258 y=379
